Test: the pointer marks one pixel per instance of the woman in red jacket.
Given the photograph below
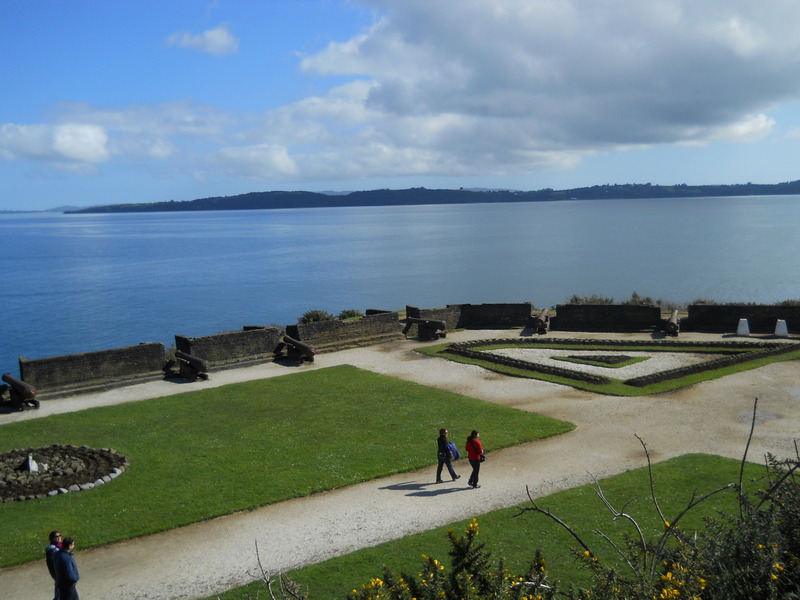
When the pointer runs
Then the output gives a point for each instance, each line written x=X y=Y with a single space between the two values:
x=475 y=454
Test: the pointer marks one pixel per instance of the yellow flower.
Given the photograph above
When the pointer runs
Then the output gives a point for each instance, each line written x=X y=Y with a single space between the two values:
x=666 y=523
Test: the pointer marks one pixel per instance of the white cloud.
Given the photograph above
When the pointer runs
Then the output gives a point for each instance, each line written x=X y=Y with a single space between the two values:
x=68 y=142
x=218 y=41
x=469 y=87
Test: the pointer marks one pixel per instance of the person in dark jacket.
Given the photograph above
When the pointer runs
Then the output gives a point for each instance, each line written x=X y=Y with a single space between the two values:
x=476 y=456
x=67 y=571
x=445 y=457
x=50 y=557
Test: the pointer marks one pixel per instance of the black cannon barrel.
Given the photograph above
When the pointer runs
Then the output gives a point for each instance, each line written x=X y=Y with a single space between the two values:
x=672 y=325
x=199 y=364
x=301 y=347
x=431 y=323
x=540 y=322
x=26 y=390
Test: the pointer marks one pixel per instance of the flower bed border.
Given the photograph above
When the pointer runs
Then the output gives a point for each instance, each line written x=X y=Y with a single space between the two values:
x=737 y=352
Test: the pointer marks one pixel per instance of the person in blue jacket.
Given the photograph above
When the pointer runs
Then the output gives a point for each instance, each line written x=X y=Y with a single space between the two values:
x=50 y=557
x=67 y=571
x=445 y=457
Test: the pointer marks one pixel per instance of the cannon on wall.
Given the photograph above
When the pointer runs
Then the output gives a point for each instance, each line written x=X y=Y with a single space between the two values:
x=672 y=325
x=191 y=367
x=294 y=350
x=427 y=329
x=22 y=395
x=541 y=324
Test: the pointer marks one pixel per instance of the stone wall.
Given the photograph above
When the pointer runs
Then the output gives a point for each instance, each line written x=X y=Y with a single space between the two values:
x=251 y=344
x=477 y=316
x=75 y=371
x=606 y=317
x=375 y=325
x=724 y=318
x=451 y=314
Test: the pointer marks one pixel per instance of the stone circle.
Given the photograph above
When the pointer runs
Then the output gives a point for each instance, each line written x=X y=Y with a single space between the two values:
x=30 y=473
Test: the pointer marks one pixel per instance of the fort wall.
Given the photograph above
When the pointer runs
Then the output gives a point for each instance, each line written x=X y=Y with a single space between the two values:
x=85 y=372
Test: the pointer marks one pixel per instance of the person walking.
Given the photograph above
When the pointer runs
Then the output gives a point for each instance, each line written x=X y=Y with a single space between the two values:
x=445 y=457
x=67 y=571
x=476 y=456
x=50 y=558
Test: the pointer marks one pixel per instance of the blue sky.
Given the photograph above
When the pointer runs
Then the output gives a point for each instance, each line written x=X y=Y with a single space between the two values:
x=109 y=102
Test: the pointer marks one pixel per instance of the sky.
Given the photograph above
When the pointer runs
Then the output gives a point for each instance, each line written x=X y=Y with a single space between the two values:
x=147 y=101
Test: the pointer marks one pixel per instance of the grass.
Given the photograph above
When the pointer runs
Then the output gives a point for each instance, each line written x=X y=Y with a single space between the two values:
x=615 y=387
x=597 y=363
x=515 y=536
x=208 y=453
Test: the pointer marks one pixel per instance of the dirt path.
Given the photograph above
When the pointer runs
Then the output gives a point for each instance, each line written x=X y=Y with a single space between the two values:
x=206 y=558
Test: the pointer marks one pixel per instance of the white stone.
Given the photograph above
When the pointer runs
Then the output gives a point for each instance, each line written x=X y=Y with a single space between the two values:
x=33 y=467
x=743 y=328
x=781 y=330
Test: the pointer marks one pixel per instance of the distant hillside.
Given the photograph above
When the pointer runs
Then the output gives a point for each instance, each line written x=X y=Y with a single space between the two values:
x=414 y=196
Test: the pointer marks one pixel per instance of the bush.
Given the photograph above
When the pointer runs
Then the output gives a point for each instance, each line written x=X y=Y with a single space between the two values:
x=350 y=313
x=311 y=316
x=593 y=299
x=638 y=300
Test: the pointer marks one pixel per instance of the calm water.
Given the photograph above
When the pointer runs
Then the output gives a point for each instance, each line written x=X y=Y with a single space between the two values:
x=76 y=283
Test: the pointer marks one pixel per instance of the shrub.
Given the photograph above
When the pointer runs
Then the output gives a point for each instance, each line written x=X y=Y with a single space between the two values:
x=638 y=300
x=593 y=299
x=472 y=573
x=350 y=313
x=311 y=316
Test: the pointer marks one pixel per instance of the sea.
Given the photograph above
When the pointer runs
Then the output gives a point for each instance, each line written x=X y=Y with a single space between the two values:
x=79 y=283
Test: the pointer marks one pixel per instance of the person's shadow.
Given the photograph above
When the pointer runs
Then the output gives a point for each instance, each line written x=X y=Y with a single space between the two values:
x=415 y=488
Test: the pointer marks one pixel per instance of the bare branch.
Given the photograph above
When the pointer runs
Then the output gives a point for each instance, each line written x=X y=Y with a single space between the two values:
x=749 y=439
x=650 y=474
x=535 y=508
x=617 y=514
x=618 y=550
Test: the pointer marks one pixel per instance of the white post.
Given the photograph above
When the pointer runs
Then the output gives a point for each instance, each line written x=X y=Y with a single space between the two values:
x=781 y=330
x=744 y=328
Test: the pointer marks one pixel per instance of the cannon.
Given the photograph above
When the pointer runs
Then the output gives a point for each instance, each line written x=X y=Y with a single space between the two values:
x=672 y=325
x=427 y=329
x=22 y=395
x=191 y=367
x=294 y=350
x=541 y=324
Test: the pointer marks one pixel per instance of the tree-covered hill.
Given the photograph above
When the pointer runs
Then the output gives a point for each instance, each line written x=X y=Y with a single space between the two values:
x=415 y=196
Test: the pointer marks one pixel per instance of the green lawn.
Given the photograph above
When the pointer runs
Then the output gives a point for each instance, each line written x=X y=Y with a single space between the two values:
x=515 y=536
x=213 y=452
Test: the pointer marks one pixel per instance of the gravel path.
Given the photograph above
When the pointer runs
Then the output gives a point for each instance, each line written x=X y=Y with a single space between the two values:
x=206 y=558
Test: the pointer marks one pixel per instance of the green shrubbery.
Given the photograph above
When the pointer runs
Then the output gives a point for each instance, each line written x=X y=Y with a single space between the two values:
x=350 y=313
x=311 y=316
